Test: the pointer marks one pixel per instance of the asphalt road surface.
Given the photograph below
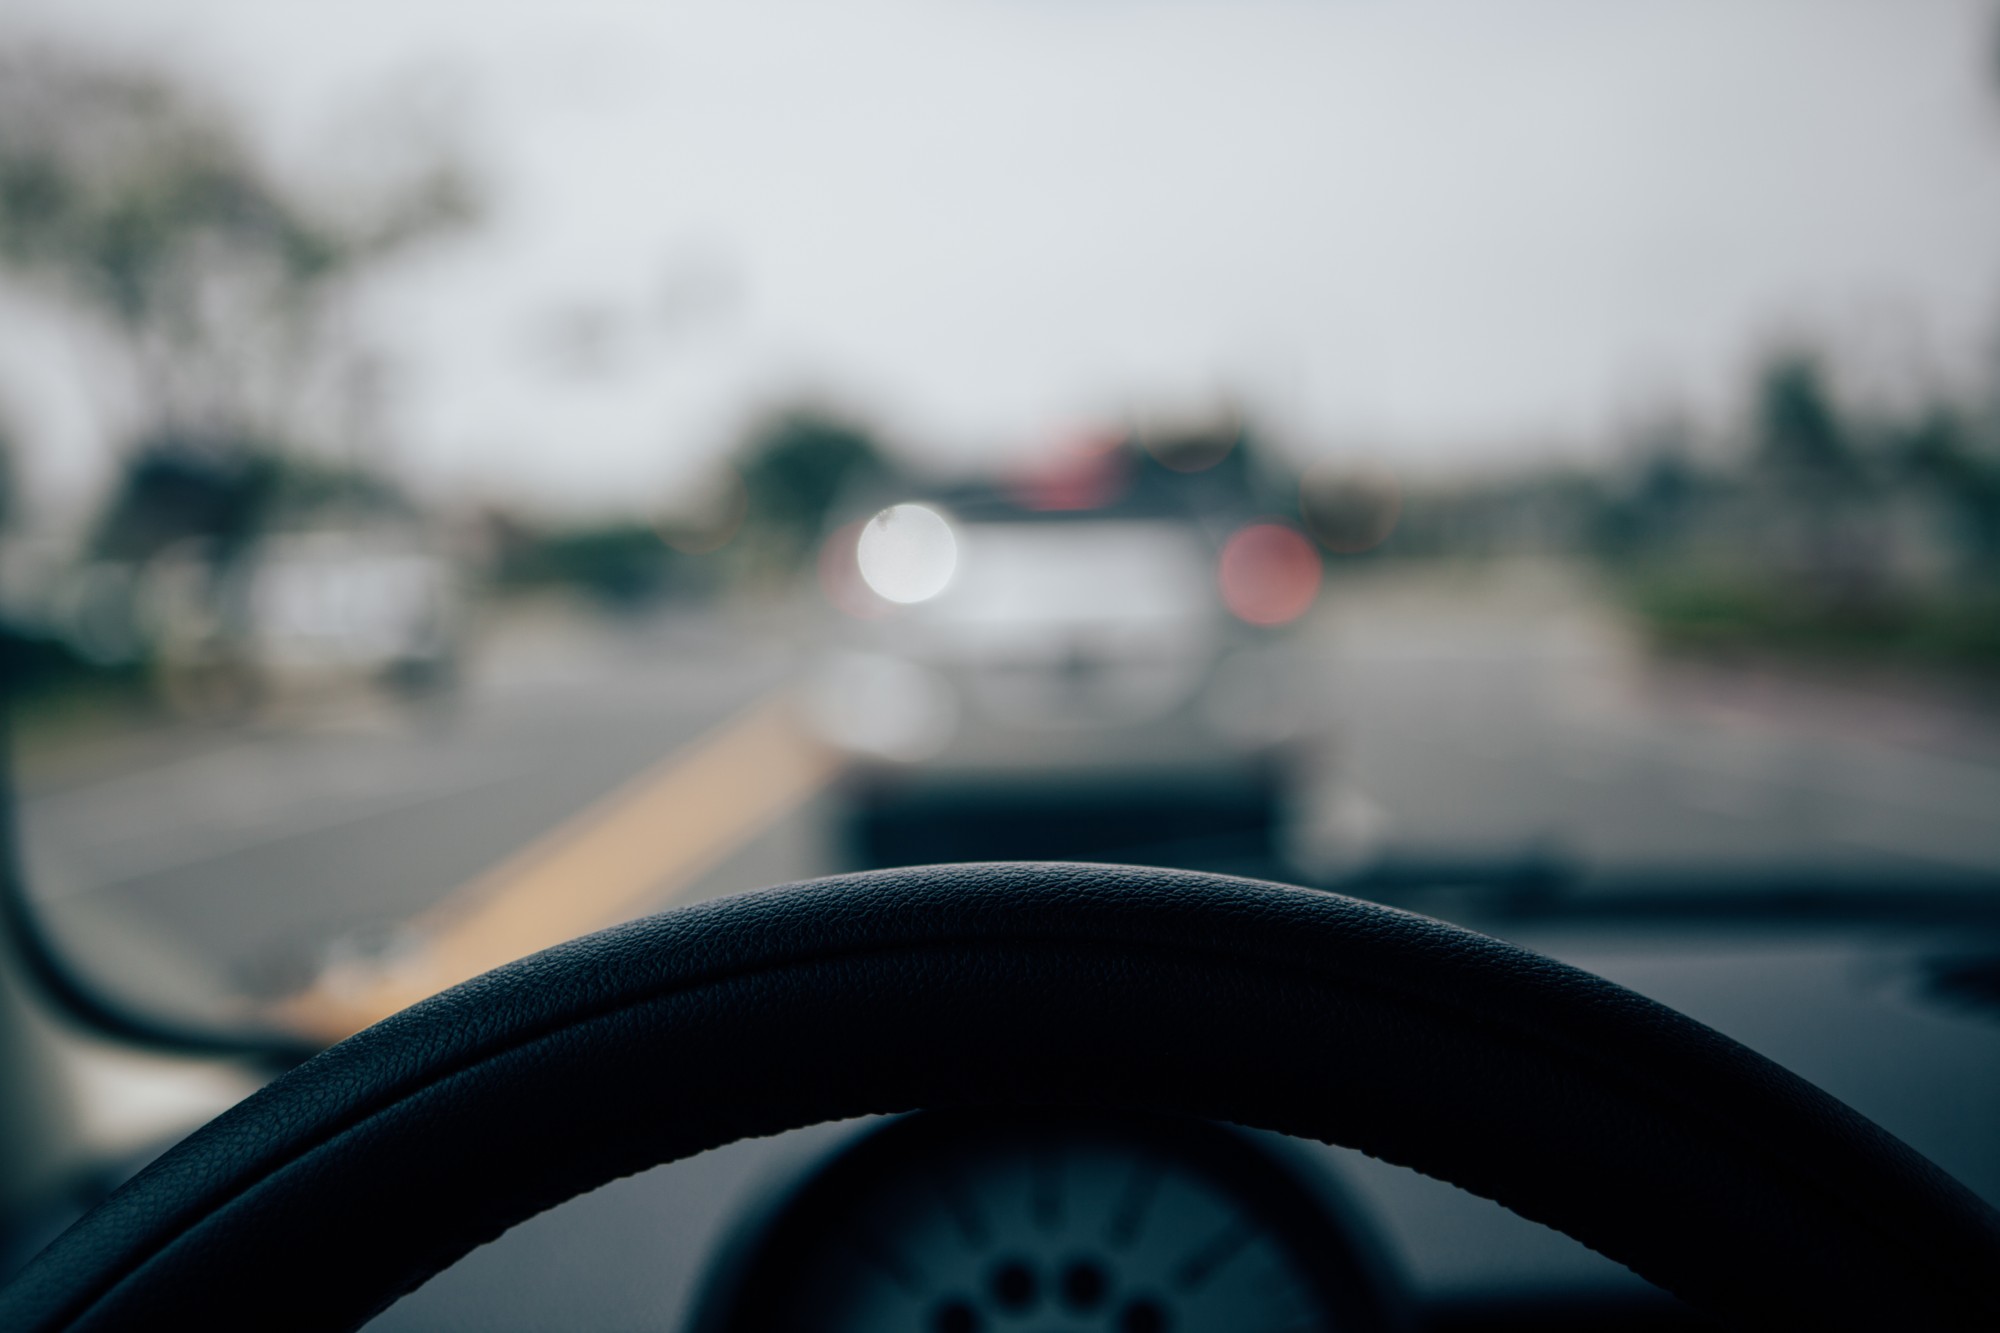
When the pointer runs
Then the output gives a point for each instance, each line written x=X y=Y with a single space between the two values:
x=347 y=855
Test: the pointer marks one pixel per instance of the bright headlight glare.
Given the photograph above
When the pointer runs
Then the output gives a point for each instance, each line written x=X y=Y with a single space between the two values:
x=907 y=553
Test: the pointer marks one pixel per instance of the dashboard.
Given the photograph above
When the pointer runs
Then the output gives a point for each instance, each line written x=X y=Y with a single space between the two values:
x=965 y=1223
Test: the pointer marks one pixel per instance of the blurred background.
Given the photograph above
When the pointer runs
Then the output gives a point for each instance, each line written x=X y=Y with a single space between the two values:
x=476 y=473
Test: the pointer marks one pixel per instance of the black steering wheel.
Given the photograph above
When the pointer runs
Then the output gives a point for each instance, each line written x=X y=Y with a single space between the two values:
x=1647 y=1136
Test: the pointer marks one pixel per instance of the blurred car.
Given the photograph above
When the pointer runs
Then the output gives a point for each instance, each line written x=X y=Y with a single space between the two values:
x=305 y=611
x=353 y=602
x=1092 y=658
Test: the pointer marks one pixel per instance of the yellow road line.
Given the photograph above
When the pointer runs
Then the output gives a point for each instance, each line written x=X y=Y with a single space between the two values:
x=643 y=845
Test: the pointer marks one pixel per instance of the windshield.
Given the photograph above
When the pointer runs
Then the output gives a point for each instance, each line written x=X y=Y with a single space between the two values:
x=476 y=474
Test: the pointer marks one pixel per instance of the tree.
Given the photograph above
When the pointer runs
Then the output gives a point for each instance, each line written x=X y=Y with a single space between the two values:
x=1941 y=450
x=220 y=284
x=795 y=465
x=1799 y=427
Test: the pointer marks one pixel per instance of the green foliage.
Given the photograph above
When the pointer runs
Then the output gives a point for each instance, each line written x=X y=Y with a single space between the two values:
x=621 y=564
x=1836 y=533
x=795 y=464
x=145 y=205
x=1941 y=452
x=119 y=185
x=1799 y=426
x=171 y=488
x=1736 y=611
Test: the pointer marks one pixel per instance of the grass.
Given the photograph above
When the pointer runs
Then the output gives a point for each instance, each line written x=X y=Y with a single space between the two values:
x=1733 y=610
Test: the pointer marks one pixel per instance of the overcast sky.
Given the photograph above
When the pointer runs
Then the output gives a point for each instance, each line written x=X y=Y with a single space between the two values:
x=1431 y=230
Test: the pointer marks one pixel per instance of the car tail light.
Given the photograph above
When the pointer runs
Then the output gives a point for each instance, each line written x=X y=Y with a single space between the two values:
x=1087 y=472
x=1269 y=574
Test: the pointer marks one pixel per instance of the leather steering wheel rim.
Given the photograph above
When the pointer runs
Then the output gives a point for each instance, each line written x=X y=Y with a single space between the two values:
x=1651 y=1138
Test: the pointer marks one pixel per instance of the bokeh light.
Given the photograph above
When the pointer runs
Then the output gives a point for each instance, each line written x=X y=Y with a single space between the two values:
x=907 y=553
x=1085 y=471
x=1269 y=574
x=1350 y=507
x=1192 y=446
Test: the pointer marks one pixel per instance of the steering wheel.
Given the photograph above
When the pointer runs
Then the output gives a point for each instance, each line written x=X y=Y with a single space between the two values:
x=356 y=1176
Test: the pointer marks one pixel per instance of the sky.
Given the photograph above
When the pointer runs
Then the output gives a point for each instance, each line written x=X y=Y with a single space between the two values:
x=1447 y=232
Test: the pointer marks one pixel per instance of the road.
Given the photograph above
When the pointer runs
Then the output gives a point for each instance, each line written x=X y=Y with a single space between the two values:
x=344 y=858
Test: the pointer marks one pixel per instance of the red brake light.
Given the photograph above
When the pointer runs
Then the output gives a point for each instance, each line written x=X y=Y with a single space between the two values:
x=1269 y=574
x=1086 y=472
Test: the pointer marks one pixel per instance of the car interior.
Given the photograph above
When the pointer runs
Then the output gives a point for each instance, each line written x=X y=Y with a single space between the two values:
x=984 y=667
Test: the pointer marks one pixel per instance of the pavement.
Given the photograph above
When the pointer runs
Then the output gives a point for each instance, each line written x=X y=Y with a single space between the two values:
x=343 y=856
